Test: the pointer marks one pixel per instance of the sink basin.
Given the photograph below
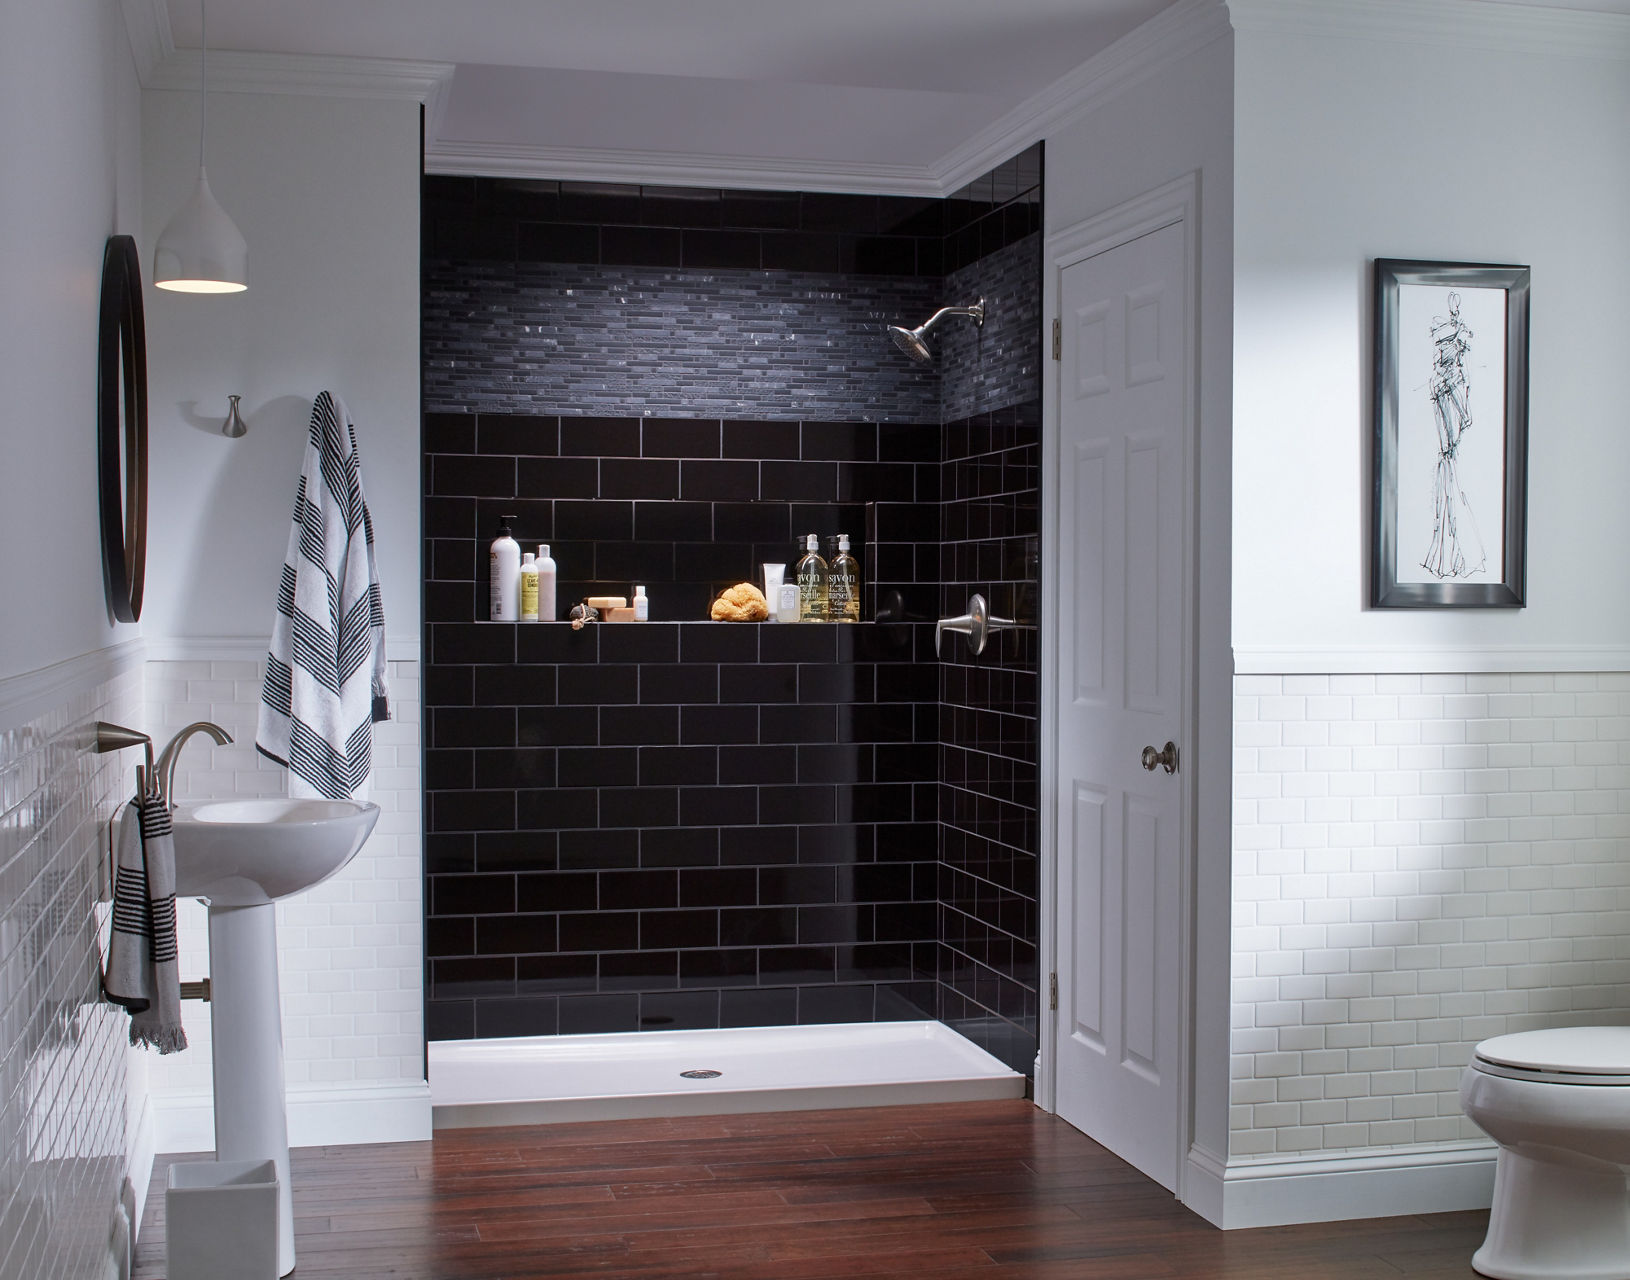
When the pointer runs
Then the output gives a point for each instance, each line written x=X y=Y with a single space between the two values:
x=245 y=853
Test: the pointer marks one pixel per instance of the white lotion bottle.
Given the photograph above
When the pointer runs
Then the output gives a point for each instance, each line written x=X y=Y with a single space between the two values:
x=774 y=576
x=504 y=570
x=546 y=584
x=642 y=606
x=529 y=588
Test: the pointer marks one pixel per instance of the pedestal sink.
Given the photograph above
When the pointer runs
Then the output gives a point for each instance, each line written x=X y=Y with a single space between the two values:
x=241 y=856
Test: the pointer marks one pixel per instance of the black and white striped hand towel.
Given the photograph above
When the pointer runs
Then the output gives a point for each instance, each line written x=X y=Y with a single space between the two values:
x=143 y=973
x=325 y=671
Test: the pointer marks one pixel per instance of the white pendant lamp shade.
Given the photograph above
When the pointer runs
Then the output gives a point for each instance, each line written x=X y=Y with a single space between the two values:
x=201 y=250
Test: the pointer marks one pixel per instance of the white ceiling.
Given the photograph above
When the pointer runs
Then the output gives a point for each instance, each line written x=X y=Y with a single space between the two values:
x=890 y=84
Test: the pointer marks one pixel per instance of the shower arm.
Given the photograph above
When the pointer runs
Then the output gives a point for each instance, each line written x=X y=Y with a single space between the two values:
x=976 y=313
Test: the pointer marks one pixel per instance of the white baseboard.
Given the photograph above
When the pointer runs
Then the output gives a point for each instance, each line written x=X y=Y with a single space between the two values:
x=1322 y=1188
x=319 y=1116
x=139 y=1164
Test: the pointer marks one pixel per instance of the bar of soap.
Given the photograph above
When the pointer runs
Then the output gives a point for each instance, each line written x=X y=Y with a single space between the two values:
x=608 y=602
x=615 y=614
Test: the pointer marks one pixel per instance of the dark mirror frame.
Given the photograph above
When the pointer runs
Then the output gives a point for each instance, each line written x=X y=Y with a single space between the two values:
x=121 y=428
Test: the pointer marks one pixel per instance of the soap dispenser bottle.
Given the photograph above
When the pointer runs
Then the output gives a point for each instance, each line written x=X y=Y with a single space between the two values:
x=843 y=585
x=812 y=576
x=504 y=569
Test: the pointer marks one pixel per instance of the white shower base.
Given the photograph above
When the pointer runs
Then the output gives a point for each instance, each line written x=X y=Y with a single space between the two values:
x=553 y=1079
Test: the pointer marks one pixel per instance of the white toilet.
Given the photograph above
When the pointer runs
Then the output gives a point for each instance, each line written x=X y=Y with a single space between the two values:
x=1558 y=1104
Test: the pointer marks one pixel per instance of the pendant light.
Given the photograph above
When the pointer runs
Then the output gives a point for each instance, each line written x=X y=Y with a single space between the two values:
x=200 y=250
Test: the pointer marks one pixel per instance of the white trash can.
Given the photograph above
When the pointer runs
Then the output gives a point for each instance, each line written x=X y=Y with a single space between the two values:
x=220 y=1220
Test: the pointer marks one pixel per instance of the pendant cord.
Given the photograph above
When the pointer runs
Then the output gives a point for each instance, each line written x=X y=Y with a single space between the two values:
x=203 y=82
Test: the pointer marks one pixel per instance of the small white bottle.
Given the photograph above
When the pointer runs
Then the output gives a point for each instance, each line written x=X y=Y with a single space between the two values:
x=504 y=571
x=786 y=608
x=529 y=587
x=642 y=606
x=546 y=584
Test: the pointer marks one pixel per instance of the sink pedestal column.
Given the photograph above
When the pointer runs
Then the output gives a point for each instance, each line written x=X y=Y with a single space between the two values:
x=251 y=1109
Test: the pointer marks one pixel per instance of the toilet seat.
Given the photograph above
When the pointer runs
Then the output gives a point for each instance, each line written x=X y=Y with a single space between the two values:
x=1589 y=1056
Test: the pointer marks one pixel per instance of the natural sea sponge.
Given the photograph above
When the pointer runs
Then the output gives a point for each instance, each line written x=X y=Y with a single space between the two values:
x=741 y=603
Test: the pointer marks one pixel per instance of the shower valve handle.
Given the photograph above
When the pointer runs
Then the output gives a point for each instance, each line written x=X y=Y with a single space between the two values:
x=978 y=624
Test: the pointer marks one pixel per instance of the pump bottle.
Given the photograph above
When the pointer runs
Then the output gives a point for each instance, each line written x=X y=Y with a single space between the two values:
x=843 y=585
x=811 y=575
x=504 y=570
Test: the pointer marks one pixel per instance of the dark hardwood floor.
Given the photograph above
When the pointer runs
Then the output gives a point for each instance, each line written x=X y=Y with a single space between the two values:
x=961 y=1191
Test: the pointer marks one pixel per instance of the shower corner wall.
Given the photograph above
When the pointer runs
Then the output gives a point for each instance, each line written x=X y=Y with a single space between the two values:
x=689 y=824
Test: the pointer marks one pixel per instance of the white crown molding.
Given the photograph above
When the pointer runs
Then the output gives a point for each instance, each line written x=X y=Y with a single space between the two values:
x=1173 y=33
x=1463 y=24
x=307 y=75
x=1301 y=660
x=589 y=164
x=147 y=23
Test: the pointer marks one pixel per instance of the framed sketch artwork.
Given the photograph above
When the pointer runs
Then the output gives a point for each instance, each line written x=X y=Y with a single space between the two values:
x=1451 y=435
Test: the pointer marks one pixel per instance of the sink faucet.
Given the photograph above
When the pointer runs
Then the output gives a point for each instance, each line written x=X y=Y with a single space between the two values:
x=164 y=771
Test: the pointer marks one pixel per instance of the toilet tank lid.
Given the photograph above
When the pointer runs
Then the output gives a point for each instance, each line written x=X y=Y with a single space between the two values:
x=1604 y=1050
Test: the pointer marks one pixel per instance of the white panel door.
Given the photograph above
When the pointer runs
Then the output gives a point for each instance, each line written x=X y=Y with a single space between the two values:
x=1124 y=613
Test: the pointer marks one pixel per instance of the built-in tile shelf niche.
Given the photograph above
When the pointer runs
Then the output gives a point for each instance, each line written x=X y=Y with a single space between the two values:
x=685 y=507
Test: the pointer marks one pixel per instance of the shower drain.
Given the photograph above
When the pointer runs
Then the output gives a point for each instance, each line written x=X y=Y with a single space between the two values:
x=701 y=1073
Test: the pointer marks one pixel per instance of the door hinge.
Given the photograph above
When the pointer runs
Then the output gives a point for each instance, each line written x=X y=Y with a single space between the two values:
x=1052 y=991
x=1058 y=338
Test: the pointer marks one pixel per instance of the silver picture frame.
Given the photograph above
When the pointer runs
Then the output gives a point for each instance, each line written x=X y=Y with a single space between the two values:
x=1449 y=462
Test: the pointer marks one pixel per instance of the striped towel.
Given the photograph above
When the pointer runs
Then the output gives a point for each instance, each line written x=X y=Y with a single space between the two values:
x=325 y=671
x=143 y=974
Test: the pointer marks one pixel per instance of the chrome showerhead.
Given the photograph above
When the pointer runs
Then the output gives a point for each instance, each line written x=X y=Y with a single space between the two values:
x=911 y=341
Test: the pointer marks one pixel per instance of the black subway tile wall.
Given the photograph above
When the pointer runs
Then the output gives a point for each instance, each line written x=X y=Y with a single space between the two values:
x=712 y=823
x=988 y=721
x=693 y=824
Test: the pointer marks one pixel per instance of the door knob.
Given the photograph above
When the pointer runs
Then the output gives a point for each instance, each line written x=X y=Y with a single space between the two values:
x=1165 y=758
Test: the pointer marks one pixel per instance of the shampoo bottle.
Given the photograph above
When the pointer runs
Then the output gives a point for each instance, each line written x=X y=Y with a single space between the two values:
x=642 y=606
x=546 y=585
x=843 y=585
x=811 y=576
x=529 y=588
x=504 y=570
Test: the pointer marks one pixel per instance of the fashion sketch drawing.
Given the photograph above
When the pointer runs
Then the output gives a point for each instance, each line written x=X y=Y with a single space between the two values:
x=1456 y=549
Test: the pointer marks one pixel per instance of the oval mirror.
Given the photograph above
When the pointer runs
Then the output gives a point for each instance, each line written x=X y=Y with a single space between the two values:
x=121 y=426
